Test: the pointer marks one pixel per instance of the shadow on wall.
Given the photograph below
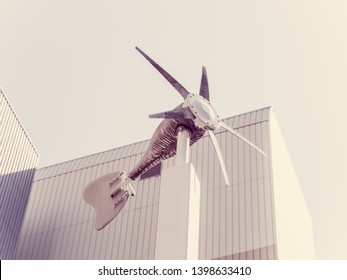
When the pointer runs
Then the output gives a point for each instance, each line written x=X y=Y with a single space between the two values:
x=14 y=194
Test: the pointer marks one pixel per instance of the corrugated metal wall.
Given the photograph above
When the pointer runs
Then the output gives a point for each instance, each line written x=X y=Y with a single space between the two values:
x=236 y=222
x=18 y=160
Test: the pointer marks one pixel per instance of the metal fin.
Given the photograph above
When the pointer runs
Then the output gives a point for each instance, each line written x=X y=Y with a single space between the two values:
x=219 y=155
x=242 y=138
x=179 y=113
x=204 y=91
x=183 y=92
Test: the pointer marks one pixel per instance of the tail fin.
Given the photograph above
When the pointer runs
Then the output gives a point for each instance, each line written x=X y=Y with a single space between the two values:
x=108 y=194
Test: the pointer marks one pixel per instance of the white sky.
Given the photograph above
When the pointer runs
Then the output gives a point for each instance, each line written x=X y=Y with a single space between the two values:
x=70 y=70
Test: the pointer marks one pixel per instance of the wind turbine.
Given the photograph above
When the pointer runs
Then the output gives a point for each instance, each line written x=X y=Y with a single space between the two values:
x=198 y=109
x=109 y=193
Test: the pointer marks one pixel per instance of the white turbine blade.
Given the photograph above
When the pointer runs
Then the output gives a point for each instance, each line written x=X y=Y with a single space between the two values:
x=242 y=138
x=219 y=155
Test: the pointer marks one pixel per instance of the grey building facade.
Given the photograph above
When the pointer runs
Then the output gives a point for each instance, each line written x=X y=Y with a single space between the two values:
x=240 y=221
x=18 y=161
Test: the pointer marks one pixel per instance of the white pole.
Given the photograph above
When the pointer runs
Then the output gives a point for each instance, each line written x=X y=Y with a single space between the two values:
x=179 y=214
x=179 y=207
x=182 y=150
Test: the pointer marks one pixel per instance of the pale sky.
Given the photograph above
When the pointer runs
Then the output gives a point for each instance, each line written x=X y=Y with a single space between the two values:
x=74 y=78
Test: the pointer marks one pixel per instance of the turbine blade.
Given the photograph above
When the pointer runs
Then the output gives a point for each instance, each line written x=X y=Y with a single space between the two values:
x=242 y=138
x=179 y=113
x=219 y=155
x=182 y=91
x=204 y=91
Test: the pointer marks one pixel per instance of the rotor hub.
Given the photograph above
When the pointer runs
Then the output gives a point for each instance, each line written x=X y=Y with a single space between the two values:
x=205 y=115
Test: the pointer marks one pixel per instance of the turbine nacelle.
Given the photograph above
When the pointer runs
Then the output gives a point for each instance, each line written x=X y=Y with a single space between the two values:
x=205 y=116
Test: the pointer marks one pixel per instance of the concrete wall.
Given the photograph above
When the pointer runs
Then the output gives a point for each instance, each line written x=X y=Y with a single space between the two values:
x=293 y=220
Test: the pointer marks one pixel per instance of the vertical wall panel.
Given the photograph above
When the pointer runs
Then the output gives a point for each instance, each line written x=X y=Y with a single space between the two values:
x=18 y=161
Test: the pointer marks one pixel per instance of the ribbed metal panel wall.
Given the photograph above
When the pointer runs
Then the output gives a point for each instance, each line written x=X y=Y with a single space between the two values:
x=18 y=160
x=59 y=225
x=236 y=222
